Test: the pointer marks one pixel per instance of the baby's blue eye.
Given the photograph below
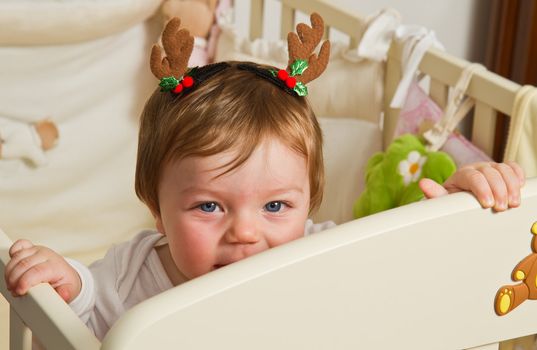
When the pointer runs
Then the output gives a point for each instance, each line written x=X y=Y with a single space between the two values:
x=208 y=207
x=273 y=207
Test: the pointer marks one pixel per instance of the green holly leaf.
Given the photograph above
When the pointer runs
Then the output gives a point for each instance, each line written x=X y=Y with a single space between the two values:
x=298 y=67
x=168 y=83
x=273 y=72
x=301 y=89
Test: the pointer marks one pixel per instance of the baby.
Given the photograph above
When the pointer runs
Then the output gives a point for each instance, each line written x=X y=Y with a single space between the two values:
x=230 y=164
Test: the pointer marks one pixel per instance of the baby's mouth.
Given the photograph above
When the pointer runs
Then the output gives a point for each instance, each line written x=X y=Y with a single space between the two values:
x=217 y=266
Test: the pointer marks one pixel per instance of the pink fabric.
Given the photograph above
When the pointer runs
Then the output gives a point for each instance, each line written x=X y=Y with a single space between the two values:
x=419 y=109
x=199 y=56
x=204 y=51
x=222 y=7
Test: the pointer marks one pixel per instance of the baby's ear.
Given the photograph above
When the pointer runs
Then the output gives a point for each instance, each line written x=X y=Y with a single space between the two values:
x=160 y=227
x=158 y=222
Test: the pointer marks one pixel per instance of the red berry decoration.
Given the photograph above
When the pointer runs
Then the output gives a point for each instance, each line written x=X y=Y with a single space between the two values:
x=290 y=82
x=188 y=81
x=282 y=74
x=178 y=88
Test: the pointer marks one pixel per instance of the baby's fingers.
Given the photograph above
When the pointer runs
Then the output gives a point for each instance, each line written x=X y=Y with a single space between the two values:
x=18 y=266
x=39 y=273
x=18 y=256
x=497 y=185
x=431 y=189
x=475 y=181
x=518 y=171
x=512 y=183
x=19 y=244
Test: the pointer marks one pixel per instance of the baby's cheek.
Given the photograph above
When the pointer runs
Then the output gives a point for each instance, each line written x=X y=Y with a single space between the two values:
x=195 y=252
x=201 y=246
x=284 y=235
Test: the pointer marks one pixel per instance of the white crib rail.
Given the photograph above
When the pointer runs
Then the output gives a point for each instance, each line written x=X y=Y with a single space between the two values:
x=43 y=312
x=422 y=276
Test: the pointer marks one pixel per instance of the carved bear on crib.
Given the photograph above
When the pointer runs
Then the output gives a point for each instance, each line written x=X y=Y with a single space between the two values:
x=510 y=296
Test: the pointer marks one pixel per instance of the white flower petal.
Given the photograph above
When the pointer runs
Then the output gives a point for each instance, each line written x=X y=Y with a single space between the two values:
x=407 y=178
x=404 y=167
x=416 y=175
x=413 y=156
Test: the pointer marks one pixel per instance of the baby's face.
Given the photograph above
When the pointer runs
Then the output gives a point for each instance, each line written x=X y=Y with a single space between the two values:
x=213 y=221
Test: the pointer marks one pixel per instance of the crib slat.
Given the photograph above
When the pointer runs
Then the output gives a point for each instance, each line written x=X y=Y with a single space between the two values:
x=439 y=93
x=20 y=336
x=334 y=15
x=353 y=43
x=50 y=318
x=393 y=75
x=288 y=20
x=484 y=127
x=256 y=19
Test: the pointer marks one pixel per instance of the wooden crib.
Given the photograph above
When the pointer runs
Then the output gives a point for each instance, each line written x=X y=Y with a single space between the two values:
x=422 y=276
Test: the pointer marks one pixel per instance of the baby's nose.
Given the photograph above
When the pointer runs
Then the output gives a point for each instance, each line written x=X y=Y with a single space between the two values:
x=243 y=230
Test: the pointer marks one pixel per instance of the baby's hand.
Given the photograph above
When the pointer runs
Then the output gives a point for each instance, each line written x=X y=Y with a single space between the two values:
x=31 y=265
x=496 y=185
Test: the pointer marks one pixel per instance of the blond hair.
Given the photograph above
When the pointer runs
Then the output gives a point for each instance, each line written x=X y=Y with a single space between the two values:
x=233 y=110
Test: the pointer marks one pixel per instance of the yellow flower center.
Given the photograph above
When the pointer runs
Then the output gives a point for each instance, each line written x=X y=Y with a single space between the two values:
x=414 y=168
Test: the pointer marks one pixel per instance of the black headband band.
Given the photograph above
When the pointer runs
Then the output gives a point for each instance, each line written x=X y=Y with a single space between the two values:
x=268 y=75
x=192 y=78
x=197 y=75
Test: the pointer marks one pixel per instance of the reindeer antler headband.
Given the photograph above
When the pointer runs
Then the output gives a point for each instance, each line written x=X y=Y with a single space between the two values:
x=303 y=67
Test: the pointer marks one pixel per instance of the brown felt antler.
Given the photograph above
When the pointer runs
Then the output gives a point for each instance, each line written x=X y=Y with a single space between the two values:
x=301 y=47
x=178 y=45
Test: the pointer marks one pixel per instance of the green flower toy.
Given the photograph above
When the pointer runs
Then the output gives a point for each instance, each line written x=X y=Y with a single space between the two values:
x=392 y=177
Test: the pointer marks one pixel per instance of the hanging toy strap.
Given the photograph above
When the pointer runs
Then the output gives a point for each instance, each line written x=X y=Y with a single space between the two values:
x=457 y=108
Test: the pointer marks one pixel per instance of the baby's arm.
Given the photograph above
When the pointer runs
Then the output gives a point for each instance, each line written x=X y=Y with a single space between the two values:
x=31 y=265
x=495 y=185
